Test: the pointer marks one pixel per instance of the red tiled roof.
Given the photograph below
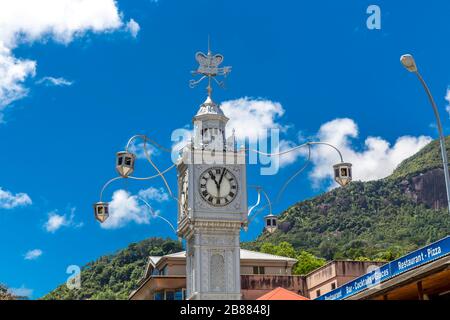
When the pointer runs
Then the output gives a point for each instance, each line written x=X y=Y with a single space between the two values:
x=281 y=294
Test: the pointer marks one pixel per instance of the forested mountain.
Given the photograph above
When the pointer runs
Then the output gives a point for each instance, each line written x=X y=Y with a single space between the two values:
x=365 y=220
x=116 y=275
x=5 y=294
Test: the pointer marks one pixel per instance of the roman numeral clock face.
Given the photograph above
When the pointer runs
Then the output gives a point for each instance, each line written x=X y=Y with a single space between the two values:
x=218 y=186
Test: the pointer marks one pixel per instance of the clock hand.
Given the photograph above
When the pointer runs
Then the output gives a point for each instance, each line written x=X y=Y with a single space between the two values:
x=214 y=179
x=221 y=176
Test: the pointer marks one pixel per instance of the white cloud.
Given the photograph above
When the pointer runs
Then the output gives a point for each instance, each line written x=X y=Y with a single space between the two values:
x=27 y=21
x=125 y=208
x=55 y=221
x=33 y=254
x=252 y=117
x=57 y=82
x=21 y=292
x=291 y=157
x=11 y=201
x=138 y=149
x=133 y=27
x=154 y=194
x=376 y=160
x=13 y=73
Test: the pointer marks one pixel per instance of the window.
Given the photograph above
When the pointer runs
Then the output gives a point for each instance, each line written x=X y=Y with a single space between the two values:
x=158 y=295
x=170 y=295
x=258 y=270
x=164 y=271
x=274 y=222
x=318 y=293
x=179 y=294
x=268 y=222
x=333 y=286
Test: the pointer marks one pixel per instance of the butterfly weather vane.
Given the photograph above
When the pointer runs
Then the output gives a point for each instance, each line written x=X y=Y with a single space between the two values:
x=209 y=68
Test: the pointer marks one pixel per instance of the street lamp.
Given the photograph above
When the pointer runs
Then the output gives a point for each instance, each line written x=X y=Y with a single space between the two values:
x=408 y=62
x=125 y=163
x=342 y=175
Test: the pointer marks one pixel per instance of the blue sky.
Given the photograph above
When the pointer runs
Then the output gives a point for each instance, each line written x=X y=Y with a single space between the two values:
x=71 y=94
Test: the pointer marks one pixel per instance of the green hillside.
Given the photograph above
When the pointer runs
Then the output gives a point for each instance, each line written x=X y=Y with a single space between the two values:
x=116 y=275
x=426 y=159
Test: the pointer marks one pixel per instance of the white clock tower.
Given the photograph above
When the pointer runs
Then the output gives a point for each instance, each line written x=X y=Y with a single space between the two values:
x=212 y=198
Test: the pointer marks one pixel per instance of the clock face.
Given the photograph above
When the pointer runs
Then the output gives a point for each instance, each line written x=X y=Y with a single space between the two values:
x=218 y=186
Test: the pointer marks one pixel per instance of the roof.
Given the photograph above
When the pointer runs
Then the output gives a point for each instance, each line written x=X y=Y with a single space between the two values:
x=181 y=254
x=154 y=259
x=253 y=255
x=281 y=294
x=245 y=255
x=209 y=107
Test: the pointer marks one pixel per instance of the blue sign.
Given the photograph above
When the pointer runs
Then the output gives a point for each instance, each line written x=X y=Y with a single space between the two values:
x=412 y=260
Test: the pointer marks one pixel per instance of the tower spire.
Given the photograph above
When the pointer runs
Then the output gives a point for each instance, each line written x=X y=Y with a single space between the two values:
x=209 y=68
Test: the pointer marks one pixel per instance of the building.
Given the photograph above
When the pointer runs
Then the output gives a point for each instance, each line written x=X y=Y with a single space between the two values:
x=165 y=277
x=334 y=274
x=260 y=273
x=423 y=274
x=281 y=294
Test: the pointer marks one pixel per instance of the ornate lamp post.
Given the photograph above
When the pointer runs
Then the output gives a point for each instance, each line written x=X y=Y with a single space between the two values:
x=212 y=196
x=409 y=63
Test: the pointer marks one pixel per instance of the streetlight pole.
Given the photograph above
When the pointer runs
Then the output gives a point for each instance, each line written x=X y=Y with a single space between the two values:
x=408 y=62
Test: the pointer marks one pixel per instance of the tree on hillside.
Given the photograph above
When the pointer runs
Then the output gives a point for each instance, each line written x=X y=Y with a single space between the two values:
x=5 y=294
x=307 y=262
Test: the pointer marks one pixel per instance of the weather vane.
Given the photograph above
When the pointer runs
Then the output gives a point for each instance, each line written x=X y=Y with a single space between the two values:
x=209 y=68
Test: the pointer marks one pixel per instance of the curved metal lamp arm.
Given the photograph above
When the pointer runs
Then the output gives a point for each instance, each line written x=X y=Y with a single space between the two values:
x=298 y=147
x=154 y=176
x=134 y=178
x=269 y=203
x=280 y=193
x=155 y=215
x=147 y=155
x=151 y=141
x=256 y=204
x=330 y=145
x=107 y=184
x=145 y=138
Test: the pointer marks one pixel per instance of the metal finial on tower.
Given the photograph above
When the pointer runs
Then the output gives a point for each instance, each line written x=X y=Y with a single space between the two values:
x=209 y=68
x=209 y=44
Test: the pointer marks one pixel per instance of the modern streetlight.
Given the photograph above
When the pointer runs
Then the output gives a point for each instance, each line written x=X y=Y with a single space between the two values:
x=408 y=62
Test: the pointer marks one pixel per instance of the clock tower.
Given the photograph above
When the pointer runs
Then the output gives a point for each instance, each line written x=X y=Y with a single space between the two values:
x=212 y=198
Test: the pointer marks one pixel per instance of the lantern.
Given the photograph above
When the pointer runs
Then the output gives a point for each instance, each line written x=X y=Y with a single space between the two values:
x=343 y=173
x=271 y=222
x=101 y=211
x=125 y=163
